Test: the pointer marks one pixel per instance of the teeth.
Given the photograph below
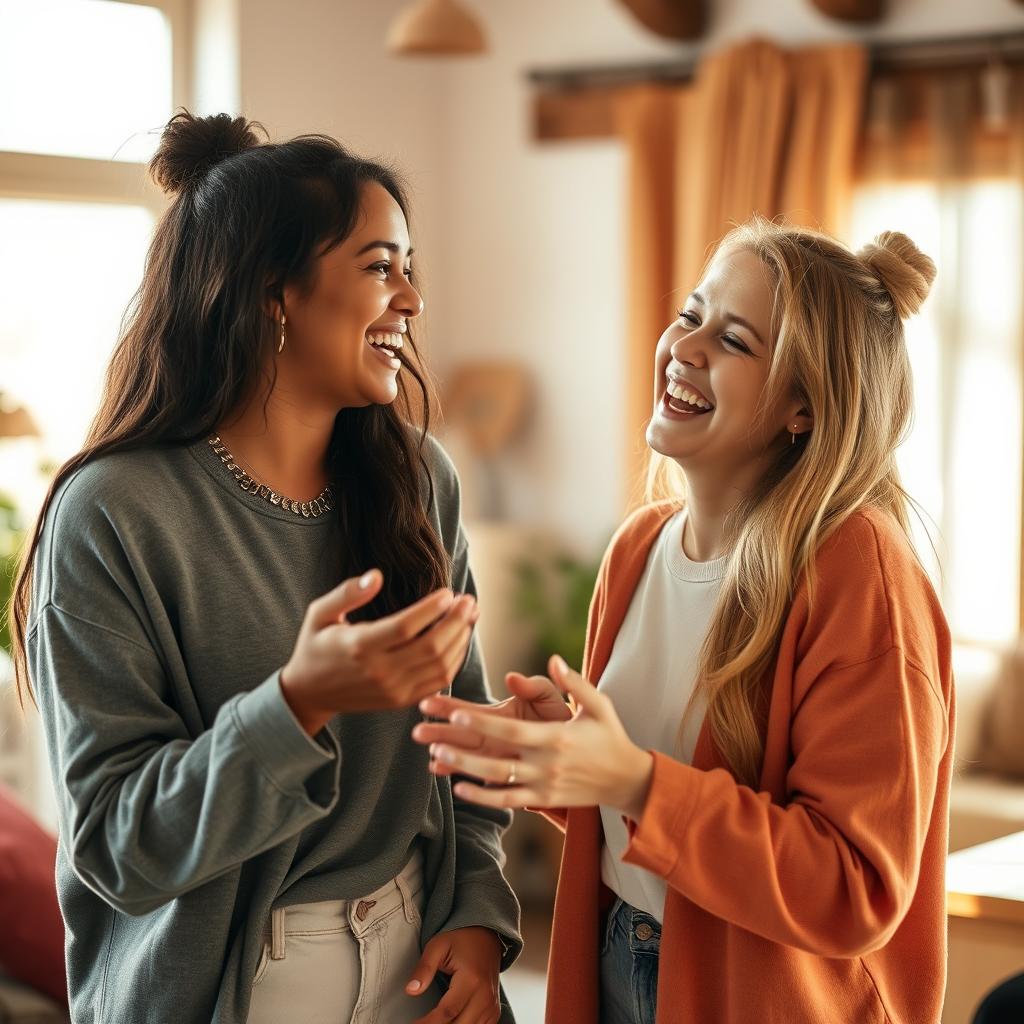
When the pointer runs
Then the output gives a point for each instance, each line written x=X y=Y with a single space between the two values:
x=677 y=392
x=389 y=340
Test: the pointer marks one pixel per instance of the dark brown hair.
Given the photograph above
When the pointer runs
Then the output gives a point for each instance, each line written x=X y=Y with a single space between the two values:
x=247 y=218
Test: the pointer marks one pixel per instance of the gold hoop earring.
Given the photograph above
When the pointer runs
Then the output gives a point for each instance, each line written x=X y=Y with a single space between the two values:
x=280 y=346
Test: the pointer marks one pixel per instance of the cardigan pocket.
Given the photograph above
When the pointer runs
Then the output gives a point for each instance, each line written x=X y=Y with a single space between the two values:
x=883 y=1017
x=851 y=977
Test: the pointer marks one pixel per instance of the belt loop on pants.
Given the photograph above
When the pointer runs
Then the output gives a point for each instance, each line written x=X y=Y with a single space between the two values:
x=277 y=934
x=407 y=904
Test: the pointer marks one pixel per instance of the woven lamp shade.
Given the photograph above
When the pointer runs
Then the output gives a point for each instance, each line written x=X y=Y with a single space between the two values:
x=852 y=10
x=437 y=28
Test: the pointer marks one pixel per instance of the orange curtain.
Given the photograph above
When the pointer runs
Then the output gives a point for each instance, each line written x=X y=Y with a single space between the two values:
x=947 y=126
x=759 y=130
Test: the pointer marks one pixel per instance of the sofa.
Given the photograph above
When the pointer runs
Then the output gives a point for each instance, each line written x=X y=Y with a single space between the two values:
x=32 y=981
x=20 y=1004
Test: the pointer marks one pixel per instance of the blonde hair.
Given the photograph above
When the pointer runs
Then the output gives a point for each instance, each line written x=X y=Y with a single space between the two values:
x=840 y=350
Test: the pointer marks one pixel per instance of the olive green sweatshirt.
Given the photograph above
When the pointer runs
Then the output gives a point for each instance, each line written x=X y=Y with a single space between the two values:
x=166 y=599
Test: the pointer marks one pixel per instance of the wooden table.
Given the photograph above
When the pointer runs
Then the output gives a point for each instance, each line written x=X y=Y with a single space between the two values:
x=985 y=903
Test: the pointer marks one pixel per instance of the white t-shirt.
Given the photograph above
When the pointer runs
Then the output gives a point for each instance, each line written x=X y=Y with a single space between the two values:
x=650 y=676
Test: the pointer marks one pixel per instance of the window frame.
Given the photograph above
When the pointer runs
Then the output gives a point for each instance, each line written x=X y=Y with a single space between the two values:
x=84 y=179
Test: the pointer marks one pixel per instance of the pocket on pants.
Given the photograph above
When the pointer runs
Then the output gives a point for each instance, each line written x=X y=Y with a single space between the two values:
x=609 y=925
x=261 y=967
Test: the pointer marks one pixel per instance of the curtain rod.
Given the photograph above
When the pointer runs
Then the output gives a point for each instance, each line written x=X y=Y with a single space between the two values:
x=946 y=53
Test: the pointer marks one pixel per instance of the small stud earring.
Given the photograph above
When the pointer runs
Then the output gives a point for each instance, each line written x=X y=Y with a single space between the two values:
x=280 y=347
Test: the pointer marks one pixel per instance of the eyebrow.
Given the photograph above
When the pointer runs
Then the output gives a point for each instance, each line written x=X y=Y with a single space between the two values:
x=390 y=246
x=732 y=318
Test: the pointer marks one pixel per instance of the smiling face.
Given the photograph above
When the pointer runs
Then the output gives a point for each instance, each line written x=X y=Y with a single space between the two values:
x=711 y=368
x=342 y=331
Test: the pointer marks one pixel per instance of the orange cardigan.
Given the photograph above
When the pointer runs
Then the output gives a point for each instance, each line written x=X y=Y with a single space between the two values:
x=819 y=898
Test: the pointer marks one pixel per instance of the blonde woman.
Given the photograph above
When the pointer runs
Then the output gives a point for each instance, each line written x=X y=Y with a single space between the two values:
x=756 y=791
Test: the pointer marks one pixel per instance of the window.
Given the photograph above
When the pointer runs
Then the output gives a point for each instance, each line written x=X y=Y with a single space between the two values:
x=69 y=270
x=963 y=458
x=85 y=78
x=84 y=87
x=87 y=84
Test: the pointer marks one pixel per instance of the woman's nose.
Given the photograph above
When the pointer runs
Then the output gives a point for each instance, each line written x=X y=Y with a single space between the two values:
x=688 y=348
x=408 y=301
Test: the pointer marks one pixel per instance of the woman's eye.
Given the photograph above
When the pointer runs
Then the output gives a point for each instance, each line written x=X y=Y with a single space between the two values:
x=734 y=342
x=689 y=318
x=385 y=269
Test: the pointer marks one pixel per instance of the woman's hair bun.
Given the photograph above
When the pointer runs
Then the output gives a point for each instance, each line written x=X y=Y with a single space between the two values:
x=906 y=273
x=190 y=146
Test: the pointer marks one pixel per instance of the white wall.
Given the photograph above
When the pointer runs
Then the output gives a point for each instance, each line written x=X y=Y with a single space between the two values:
x=521 y=244
x=321 y=66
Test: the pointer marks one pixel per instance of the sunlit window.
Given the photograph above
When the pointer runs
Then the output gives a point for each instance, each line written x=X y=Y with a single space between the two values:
x=91 y=79
x=963 y=458
x=86 y=78
x=69 y=270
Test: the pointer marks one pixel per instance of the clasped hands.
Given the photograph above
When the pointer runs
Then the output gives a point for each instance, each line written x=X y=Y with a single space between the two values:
x=533 y=750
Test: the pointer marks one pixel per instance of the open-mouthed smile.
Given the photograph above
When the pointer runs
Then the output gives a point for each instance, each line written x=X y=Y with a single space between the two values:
x=682 y=399
x=386 y=345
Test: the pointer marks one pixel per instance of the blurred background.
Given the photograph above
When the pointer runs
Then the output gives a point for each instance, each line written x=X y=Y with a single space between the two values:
x=570 y=163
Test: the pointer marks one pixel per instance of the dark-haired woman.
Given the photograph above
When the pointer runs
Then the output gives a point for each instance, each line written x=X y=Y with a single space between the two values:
x=235 y=597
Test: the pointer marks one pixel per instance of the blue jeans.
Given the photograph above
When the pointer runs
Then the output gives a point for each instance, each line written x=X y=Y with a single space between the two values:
x=629 y=966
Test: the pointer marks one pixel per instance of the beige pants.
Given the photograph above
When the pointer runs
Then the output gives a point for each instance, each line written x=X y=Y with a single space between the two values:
x=345 y=961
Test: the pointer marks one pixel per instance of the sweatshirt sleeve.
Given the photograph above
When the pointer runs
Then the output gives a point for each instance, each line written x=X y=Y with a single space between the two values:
x=146 y=811
x=831 y=870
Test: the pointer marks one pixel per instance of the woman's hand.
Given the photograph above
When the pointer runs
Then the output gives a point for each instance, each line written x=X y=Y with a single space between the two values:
x=586 y=761
x=338 y=666
x=472 y=958
x=534 y=699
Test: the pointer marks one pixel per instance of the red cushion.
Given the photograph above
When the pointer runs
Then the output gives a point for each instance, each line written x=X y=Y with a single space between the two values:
x=32 y=936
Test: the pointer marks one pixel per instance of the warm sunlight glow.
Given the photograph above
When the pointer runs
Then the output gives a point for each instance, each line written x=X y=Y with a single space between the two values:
x=88 y=78
x=69 y=270
x=963 y=458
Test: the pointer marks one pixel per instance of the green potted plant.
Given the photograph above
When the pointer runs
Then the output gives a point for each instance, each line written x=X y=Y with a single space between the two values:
x=12 y=534
x=553 y=597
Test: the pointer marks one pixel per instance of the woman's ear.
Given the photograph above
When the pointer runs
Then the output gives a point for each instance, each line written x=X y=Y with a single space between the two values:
x=799 y=421
x=273 y=301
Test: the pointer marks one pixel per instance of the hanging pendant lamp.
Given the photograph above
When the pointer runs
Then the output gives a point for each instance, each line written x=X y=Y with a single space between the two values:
x=852 y=10
x=436 y=28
